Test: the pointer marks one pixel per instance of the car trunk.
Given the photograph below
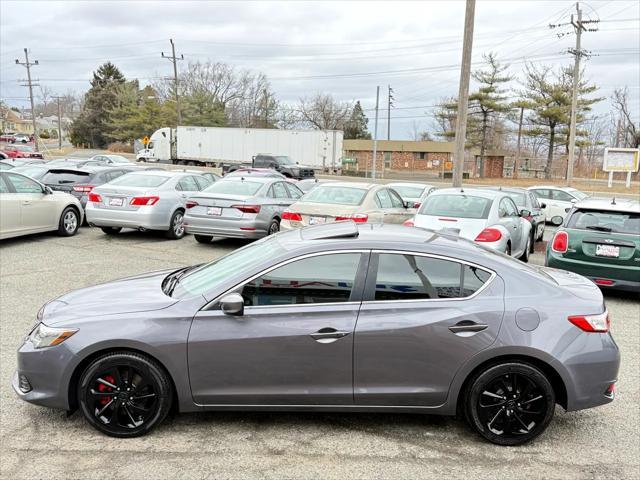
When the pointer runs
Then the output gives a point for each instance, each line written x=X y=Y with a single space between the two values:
x=465 y=227
x=219 y=206
x=317 y=213
x=119 y=198
x=576 y=284
x=606 y=248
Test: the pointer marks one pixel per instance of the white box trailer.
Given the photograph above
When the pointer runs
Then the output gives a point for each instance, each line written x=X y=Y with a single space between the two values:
x=216 y=145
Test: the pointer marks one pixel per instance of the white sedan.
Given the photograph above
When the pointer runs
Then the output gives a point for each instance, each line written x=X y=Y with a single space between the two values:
x=27 y=206
x=558 y=201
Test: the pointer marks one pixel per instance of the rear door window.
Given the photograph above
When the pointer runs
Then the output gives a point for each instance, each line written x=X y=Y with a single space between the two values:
x=279 y=190
x=23 y=184
x=294 y=191
x=203 y=182
x=384 y=199
x=188 y=184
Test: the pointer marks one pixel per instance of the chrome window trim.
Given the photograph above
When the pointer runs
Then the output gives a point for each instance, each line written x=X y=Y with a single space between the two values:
x=281 y=264
x=440 y=257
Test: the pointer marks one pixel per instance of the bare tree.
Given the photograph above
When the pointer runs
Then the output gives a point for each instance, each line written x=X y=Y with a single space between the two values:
x=324 y=112
x=627 y=132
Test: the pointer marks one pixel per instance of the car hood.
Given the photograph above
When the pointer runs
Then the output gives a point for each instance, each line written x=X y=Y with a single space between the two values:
x=142 y=293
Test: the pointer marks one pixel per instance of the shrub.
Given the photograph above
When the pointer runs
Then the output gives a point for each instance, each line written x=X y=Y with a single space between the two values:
x=120 y=147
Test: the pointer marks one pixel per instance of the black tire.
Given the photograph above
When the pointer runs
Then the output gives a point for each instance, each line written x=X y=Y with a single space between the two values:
x=274 y=227
x=124 y=414
x=69 y=222
x=510 y=421
x=527 y=250
x=176 y=229
x=203 y=238
x=508 y=249
x=111 y=230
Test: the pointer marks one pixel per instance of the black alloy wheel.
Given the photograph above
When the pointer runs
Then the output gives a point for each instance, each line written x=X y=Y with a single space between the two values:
x=124 y=394
x=510 y=404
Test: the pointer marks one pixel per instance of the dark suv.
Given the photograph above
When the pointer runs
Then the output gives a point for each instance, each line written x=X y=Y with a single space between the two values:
x=284 y=165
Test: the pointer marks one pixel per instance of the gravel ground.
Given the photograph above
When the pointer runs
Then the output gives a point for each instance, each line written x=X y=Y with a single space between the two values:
x=41 y=443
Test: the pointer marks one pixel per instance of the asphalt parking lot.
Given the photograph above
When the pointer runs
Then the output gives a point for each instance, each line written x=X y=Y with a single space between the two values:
x=41 y=443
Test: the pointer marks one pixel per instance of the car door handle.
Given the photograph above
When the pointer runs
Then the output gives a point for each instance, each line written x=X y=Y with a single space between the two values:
x=26 y=202
x=468 y=326
x=328 y=335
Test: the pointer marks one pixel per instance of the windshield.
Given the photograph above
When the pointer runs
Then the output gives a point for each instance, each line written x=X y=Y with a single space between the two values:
x=409 y=192
x=130 y=180
x=335 y=195
x=234 y=187
x=605 y=221
x=214 y=274
x=284 y=160
x=459 y=206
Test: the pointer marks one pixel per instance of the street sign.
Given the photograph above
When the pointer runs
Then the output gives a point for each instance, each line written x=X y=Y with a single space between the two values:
x=621 y=160
x=145 y=140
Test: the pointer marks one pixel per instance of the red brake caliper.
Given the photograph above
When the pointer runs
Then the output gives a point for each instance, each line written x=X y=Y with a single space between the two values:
x=103 y=388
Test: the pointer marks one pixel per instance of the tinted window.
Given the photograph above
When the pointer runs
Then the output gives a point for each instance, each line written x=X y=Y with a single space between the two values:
x=561 y=196
x=412 y=277
x=133 y=180
x=460 y=206
x=320 y=279
x=383 y=199
x=64 y=177
x=279 y=190
x=294 y=191
x=24 y=184
x=335 y=195
x=242 y=187
x=605 y=221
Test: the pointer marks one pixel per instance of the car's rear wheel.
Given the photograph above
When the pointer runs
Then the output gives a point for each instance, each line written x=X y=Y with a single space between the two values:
x=176 y=228
x=124 y=394
x=510 y=403
x=69 y=222
x=111 y=230
x=274 y=227
x=203 y=238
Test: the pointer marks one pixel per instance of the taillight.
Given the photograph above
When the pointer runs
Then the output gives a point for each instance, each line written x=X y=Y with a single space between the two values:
x=296 y=217
x=605 y=282
x=592 y=323
x=409 y=223
x=355 y=217
x=144 y=201
x=489 y=235
x=191 y=204
x=83 y=188
x=247 y=208
x=94 y=197
x=560 y=242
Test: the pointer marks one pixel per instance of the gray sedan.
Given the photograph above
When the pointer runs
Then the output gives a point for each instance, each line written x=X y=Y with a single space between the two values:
x=341 y=317
x=239 y=207
x=146 y=200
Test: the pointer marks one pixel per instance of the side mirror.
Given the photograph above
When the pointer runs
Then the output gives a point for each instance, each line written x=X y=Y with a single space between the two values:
x=525 y=213
x=543 y=205
x=405 y=204
x=232 y=304
x=574 y=200
x=47 y=190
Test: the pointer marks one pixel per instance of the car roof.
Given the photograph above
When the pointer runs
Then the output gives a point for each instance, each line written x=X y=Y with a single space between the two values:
x=162 y=173
x=239 y=178
x=473 y=192
x=506 y=189
x=556 y=187
x=360 y=185
x=612 y=204
x=408 y=184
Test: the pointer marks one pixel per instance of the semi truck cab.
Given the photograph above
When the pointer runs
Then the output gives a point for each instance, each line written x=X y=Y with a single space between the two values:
x=159 y=147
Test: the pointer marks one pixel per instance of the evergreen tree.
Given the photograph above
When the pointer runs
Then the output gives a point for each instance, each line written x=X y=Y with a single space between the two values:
x=356 y=126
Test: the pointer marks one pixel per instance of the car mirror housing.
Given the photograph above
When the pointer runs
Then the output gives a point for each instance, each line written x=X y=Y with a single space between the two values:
x=232 y=304
x=543 y=205
x=525 y=213
x=47 y=190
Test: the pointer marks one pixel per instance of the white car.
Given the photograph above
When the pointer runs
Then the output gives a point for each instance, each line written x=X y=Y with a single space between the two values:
x=558 y=200
x=412 y=193
x=110 y=160
x=488 y=217
x=27 y=206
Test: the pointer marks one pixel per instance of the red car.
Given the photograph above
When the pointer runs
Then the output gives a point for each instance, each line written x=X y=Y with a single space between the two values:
x=21 y=151
x=8 y=137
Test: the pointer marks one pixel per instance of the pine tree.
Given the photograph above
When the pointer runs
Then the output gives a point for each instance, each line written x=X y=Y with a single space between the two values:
x=356 y=126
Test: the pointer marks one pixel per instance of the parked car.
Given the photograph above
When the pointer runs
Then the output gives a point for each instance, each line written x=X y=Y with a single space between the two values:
x=412 y=193
x=254 y=172
x=283 y=164
x=80 y=181
x=309 y=184
x=22 y=138
x=528 y=201
x=339 y=317
x=22 y=151
x=110 y=160
x=601 y=240
x=27 y=206
x=144 y=200
x=338 y=201
x=485 y=216
x=8 y=138
x=3 y=156
x=558 y=201
x=239 y=208
x=21 y=161
x=212 y=177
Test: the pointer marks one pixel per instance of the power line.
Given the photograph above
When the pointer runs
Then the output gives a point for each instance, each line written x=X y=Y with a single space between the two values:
x=27 y=64
x=174 y=60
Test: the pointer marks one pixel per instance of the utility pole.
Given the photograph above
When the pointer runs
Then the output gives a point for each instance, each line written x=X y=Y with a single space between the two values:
x=375 y=135
x=266 y=109
x=30 y=84
x=389 y=105
x=516 y=163
x=59 y=124
x=173 y=59
x=463 y=94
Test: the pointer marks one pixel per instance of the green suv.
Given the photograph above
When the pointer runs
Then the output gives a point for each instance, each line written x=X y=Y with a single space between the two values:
x=600 y=239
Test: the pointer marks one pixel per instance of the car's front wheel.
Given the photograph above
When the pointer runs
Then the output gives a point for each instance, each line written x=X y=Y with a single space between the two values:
x=124 y=394
x=510 y=403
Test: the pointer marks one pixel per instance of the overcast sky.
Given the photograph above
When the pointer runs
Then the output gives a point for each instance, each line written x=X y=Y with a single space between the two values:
x=343 y=48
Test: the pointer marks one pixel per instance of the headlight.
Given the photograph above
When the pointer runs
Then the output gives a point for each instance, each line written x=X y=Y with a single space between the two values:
x=43 y=336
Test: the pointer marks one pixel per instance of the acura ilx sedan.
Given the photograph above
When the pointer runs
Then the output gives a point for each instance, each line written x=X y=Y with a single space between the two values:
x=339 y=317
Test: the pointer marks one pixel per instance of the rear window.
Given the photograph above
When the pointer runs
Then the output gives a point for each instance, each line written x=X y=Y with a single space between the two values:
x=335 y=195
x=605 y=221
x=459 y=206
x=64 y=177
x=139 y=181
x=232 y=187
x=409 y=192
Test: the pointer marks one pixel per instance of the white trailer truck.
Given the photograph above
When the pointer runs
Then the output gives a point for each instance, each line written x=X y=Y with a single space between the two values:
x=213 y=146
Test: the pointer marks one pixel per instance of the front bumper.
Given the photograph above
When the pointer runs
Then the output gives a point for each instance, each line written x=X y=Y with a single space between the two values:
x=622 y=277
x=144 y=217
x=249 y=228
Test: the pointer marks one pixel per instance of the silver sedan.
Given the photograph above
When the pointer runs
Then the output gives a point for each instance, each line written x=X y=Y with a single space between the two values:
x=147 y=200
x=239 y=207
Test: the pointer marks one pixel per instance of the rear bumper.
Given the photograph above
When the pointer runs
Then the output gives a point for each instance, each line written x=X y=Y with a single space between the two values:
x=224 y=228
x=622 y=277
x=141 y=218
